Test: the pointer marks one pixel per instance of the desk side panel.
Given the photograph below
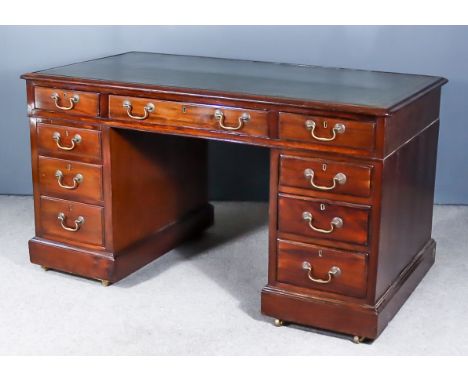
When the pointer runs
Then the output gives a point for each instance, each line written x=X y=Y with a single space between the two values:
x=409 y=121
x=406 y=206
x=155 y=181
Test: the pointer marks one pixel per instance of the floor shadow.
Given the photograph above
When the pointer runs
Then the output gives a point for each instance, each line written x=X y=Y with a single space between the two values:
x=220 y=253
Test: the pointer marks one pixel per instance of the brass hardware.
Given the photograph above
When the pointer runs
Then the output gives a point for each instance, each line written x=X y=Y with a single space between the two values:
x=77 y=179
x=219 y=115
x=78 y=222
x=105 y=283
x=74 y=141
x=358 y=340
x=320 y=253
x=278 y=322
x=339 y=178
x=73 y=100
x=335 y=222
x=322 y=207
x=149 y=108
x=333 y=272
x=339 y=128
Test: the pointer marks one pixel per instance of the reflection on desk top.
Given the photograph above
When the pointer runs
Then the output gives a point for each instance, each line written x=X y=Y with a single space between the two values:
x=255 y=80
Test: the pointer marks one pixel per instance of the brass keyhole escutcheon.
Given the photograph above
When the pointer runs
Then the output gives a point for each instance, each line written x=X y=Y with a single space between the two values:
x=322 y=207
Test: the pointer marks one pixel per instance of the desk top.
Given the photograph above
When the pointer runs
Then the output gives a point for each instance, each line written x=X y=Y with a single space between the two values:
x=255 y=80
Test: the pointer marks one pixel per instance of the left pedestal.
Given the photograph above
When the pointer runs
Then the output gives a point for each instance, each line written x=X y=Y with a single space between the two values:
x=108 y=201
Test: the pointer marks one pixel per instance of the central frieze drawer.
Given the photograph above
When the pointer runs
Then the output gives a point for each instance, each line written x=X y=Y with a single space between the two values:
x=326 y=269
x=230 y=120
x=323 y=175
x=314 y=218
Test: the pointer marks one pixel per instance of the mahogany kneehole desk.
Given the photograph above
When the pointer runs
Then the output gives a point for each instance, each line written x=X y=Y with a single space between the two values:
x=119 y=179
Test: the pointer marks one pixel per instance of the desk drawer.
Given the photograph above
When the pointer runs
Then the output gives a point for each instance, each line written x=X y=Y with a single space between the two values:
x=84 y=144
x=229 y=120
x=323 y=175
x=66 y=101
x=71 y=221
x=321 y=268
x=70 y=180
x=327 y=131
x=323 y=219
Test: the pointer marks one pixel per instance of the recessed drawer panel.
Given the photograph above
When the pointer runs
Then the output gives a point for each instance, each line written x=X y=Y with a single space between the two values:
x=325 y=176
x=322 y=268
x=84 y=144
x=70 y=180
x=323 y=219
x=71 y=221
x=228 y=120
x=66 y=101
x=327 y=131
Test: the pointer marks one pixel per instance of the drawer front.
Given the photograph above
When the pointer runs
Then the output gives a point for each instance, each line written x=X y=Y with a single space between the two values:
x=321 y=268
x=78 y=223
x=70 y=180
x=72 y=142
x=327 y=131
x=66 y=101
x=229 y=120
x=323 y=220
x=323 y=175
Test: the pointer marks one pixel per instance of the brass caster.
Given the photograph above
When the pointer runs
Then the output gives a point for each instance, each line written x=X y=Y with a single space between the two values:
x=278 y=322
x=44 y=268
x=358 y=340
x=105 y=283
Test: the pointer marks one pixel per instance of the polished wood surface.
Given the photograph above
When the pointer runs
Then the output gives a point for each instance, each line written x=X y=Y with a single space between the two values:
x=155 y=180
x=357 y=134
x=355 y=219
x=89 y=232
x=87 y=150
x=190 y=115
x=369 y=138
x=352 y=279
x=87 y=104
x=293 y=173
x=89 y=189
x=407 y=205
x=284 y=83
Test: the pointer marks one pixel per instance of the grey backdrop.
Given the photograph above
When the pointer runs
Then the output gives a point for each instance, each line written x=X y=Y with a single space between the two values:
x=241 y=172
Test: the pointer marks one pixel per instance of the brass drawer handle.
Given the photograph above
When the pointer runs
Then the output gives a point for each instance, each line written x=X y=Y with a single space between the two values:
x=149 y=108
x=77 y=179
x=339 y=128
x=219 y=115
x=336 y=222
x=74 y=141
x=78 y=222
x=333 y=272
x=73 y=101
x=339 y=178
